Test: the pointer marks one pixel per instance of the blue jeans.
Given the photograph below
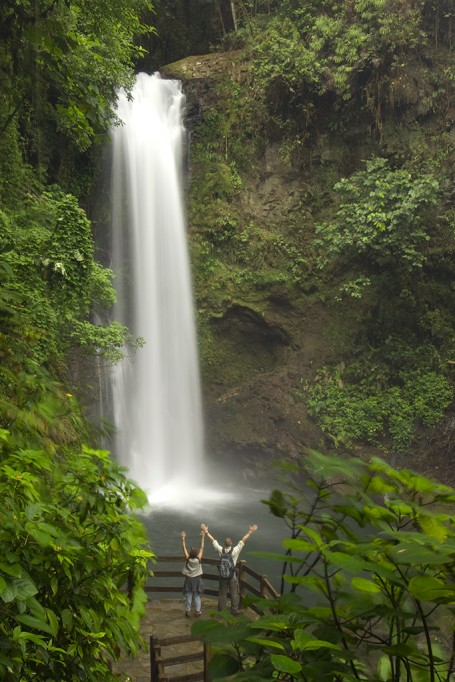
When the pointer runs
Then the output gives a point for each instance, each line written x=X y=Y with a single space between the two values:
x=189 y=600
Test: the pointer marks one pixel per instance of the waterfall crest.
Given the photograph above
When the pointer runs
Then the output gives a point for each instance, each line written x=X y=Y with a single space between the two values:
x=156 y=393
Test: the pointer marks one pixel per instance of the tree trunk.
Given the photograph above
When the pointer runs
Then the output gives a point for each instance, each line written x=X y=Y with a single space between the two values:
x=234 y=16
x=220 y=14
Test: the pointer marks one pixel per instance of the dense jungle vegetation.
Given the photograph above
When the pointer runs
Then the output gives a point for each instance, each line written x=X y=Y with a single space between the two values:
x=69 y=541
x=357 y=97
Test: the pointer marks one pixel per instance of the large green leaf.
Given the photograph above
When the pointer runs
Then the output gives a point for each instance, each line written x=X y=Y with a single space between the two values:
x=378 y=513
x=268 y=643
x=311 y=582
x=13 y=568
x=365 y=585
x=25 y=587
x=213 y=631
x=429 y=588
x=298 y=545
x=222 y=665
x=350 y=563
x=39 y=534
x=384 y=668
x=377 y=484
x=305 y=641
x=414 y=554
x=275 y=622
x=36 y=639
x=277 y=504
x=402 y=649
x=284 y=664
x=434 y=527
x=53 y=621
x=35 y=623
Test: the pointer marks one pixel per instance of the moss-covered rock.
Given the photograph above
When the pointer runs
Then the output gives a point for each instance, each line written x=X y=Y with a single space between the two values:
x=269 y=317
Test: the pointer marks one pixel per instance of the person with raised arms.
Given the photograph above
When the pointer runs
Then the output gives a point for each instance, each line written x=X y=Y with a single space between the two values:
x=229 y=555
x=192 y=570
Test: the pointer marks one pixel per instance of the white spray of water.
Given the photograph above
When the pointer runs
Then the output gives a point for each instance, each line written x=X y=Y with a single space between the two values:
x=157 y=399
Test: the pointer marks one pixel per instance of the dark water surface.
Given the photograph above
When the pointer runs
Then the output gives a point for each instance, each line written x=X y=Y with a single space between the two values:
x=228 y=510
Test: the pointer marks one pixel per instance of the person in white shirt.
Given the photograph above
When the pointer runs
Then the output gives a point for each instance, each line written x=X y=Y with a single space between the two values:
x=231 y=585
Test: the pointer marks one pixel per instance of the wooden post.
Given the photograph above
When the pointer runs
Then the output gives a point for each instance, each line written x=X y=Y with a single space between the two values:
x=241 y=565
x=220 y=15
x=155 y=651
x=207 y=657
x=263 y=577
x=152 y=659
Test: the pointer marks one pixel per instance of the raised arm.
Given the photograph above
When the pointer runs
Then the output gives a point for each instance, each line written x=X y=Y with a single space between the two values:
x=185 y=551
x=201 y=551
x=250 y=532
x=205 y=529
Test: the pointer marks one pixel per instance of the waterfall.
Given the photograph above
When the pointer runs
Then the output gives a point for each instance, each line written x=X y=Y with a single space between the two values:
x=156 y=392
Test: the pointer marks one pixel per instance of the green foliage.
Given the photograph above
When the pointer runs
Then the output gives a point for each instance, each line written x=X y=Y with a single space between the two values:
x=49 y=248
x=382 y=227
x=64 y=62
x=69 y=547
x=68 y=252
x=366 y=411
x=308 y=50
x=107 y=340
x=368 y=575
x=230 y=258
x=74 y=557
x=382 y=215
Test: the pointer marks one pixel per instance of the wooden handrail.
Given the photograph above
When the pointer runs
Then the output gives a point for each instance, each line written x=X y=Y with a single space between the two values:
x=157 y=661
x=179 y=559
x=263 y=588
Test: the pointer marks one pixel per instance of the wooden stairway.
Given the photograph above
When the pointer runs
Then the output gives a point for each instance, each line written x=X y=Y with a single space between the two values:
x=171 y=662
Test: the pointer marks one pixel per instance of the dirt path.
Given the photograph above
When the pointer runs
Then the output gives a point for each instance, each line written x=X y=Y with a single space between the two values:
x=165 y=618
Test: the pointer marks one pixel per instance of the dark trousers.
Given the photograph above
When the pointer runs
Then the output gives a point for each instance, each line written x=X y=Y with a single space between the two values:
x=232 y=586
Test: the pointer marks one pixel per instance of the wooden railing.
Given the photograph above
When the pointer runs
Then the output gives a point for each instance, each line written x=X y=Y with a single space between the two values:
x=158 y=661
x=250 y=582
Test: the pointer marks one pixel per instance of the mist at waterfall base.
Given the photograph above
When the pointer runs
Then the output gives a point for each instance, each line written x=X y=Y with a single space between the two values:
x=156 y=392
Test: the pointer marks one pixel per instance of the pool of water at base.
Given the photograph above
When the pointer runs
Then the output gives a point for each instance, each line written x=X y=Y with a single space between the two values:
x=228 y=511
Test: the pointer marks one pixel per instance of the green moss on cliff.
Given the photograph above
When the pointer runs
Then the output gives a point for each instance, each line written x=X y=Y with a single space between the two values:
x=275 y=140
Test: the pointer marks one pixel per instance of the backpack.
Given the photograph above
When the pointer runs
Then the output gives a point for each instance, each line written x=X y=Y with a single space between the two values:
x=226 y=566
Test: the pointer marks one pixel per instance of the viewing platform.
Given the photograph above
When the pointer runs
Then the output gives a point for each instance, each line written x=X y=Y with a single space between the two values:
x=173 y=655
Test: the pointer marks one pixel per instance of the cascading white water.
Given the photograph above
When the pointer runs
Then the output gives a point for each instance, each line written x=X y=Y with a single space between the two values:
x=156 y=393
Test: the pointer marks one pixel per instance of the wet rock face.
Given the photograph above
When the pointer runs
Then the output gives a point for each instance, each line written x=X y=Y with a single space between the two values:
x=243 y=328
x=254 y=407
x=266 y=342
x=200 y=75
x=258 y=421
x=268 y=319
